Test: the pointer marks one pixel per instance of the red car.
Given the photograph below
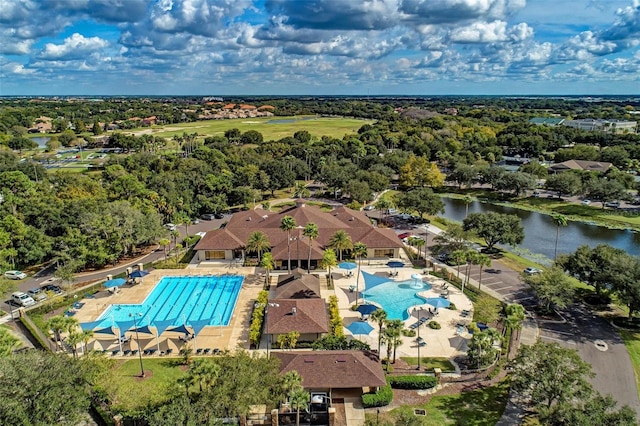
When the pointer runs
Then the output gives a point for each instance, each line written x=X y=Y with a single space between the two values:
x=405 y=235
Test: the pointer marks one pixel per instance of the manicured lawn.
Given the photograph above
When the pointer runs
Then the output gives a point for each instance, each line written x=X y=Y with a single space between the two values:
x=478 y=408
x=429 y=364
x=270 y=127
x=632 y=342
x=130 y=391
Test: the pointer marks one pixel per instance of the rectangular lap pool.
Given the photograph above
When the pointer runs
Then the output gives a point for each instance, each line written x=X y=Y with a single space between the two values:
x=176 y=301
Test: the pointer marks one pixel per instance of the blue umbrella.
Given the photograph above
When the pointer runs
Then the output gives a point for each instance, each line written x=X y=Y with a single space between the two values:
x=347 y=265
x=139 y=274
x=395 y=264
x=360 y=327
x=438 y=302
x=116 y=282
x=367 y=309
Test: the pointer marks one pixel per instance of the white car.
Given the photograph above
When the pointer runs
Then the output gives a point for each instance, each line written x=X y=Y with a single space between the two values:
x=170 y=226
x=586 y=202
x=15 y=275
x=532 y=271
x=22 y=299
x=37 y=294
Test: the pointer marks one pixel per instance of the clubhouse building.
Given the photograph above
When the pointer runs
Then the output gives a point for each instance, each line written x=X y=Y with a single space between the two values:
x=227 y=245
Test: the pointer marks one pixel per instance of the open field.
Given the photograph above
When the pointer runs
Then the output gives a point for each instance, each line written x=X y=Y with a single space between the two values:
x=272 y=128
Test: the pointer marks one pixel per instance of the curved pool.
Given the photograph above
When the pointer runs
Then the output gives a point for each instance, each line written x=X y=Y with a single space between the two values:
x=396 y=297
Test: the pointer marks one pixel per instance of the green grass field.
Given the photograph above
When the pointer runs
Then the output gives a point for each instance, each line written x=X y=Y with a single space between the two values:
x=482 y=407
x=272 y=128
x=429 y=364
x=130 y=390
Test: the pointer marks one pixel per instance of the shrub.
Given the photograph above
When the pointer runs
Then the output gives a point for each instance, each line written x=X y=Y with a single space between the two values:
x=412 y=382
x=382 y=397
x=452 y=307
x=435 y=325
x=335 y=320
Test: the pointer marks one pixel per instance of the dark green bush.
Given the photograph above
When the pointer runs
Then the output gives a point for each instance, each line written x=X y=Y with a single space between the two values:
x=382 y=397
x=435 y=325
x=452 y=307
x=412 y=382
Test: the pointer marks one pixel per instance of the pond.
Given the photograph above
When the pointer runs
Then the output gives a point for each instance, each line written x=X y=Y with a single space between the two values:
x=41 y=141
x=540 y=231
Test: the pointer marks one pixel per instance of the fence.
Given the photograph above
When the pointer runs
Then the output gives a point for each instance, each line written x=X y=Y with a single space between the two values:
x=44 y=340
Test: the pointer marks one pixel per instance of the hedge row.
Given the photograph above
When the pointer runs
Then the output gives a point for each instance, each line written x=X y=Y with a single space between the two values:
x=335 y=320
x=412 y=382
x=257 y=318
x=382 y=397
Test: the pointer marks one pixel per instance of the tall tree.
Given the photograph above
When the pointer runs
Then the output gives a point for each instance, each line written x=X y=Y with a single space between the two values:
x=379 y=317
x=481 y=260
x=258 y=242
x=340 y=241
x=553 y=288
x=359 y=251
x=267 y=264
x=548 y=374
x=311 y=232
x=482 y=348
x=287 y=224
x=558 y=220
x=329 y=261
x=299 y=398
x=495 y=228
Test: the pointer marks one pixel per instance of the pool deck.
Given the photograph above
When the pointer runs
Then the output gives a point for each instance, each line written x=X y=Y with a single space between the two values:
x=446 y=342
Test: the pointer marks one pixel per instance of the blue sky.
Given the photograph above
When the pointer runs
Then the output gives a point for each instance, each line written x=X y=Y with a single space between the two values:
x=319 y=47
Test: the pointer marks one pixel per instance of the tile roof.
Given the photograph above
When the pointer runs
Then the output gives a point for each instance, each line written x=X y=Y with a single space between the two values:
x=301 y=315
x=333 y=369
x=297 y=285
x=598 y=166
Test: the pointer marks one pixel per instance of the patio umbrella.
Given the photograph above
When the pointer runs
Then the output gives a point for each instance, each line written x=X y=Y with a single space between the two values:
x=360 y=327
x=395 y=264
x=367 y=309
x=139 y=274
x=437 y=302
x=116 y=282
x=347 y=265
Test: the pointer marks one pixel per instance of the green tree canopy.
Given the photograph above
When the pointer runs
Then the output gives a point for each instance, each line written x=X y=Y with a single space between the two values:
x=495 y=228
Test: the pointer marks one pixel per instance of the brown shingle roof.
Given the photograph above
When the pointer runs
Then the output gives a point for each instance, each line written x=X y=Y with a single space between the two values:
x=333 y=369
x=355 y=223
x=302 y=315
x=297 y=285
x=597 y=166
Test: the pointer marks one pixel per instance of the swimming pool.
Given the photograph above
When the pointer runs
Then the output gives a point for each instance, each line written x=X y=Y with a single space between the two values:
x=396 y=297
x=176 y=301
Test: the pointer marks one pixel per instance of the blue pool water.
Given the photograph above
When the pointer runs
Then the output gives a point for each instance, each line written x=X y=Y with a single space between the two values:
x=396 y=297
x=208 y=300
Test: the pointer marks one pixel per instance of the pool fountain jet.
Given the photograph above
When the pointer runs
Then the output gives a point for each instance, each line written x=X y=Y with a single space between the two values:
x=416 y=281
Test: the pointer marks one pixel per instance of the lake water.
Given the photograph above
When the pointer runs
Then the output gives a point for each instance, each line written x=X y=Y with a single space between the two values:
x=540 y=231
x=41 y=141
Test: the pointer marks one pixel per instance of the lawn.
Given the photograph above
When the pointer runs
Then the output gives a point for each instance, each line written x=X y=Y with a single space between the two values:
x=429 y=364
x=632 y=342
x=272 y=128
x=129 y=390
x=478 y=408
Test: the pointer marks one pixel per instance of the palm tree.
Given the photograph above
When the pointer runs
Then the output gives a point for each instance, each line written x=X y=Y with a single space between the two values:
x=205 y=372
x=419 y=243
x=379 y=317
x=86 y=336
x=458 y=257
x=299 y=398
x=258 y=242
x=59 y=323
x=396 y=334
x=164 y=243
x=287 y=224
x=359 y=251
x=73 y=339
x=471 y=256
x=267 y=264
x=311 y=232
x=383 y=204
x=329 y=261
x=515 y=316
x=482 y=260
x=340 y=241
x=467 y=200
x=559 y=220
x=289 y=382
x=300 y=190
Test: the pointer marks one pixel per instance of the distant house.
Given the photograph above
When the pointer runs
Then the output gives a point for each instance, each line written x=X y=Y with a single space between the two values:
x=593 y=166
x=338 y=373
x=606 y=126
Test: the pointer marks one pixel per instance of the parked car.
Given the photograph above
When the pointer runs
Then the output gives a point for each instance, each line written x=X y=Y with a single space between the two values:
x=405 y=235
x=15 y=275
x=219 y=216
x=170 y=226
x=586 y=202
x=22 y=299
x=37 y=294
x=614 y=204
x=208 y=216
x=52 y=288
x=532 y=271
x=369 y=207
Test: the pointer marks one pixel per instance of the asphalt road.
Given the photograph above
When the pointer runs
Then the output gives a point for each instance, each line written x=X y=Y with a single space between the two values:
x=45 y=275
x=598 y=343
